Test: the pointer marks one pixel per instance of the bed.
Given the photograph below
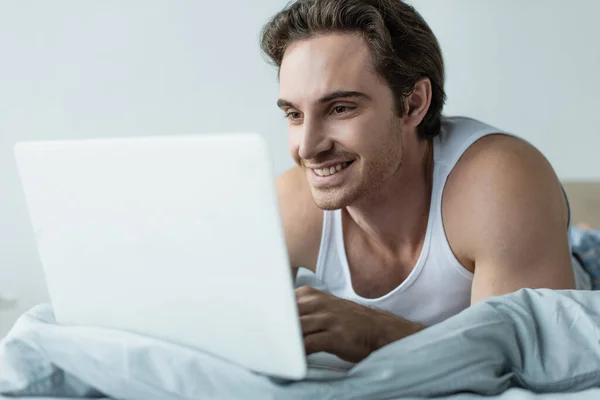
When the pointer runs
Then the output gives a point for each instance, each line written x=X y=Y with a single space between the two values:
x=531 y=341
x=584 y=197
x=511 y=394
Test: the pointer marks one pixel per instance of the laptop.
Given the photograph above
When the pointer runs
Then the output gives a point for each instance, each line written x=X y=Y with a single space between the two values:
x=177 y=238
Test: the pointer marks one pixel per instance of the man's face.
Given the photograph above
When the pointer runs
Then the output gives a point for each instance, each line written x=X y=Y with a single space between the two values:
x=343 y=128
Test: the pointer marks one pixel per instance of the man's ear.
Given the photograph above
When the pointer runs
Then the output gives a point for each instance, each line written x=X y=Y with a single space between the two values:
x=418 y=102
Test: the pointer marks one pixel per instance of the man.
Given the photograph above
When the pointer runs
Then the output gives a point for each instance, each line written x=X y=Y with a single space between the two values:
x=407 y=217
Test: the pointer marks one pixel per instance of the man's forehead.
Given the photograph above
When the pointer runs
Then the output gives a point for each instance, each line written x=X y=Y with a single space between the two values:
x=314 y=67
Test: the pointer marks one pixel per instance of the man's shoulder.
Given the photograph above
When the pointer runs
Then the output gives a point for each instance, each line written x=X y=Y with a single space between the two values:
x=497 y=178
x=499 y=156
x=302 y=219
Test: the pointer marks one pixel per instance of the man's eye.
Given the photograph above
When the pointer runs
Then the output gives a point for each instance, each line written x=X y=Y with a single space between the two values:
x=341 y=109
x=293 y=115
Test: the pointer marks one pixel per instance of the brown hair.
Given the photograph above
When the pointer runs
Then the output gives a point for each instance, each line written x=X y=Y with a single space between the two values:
x=403 y=47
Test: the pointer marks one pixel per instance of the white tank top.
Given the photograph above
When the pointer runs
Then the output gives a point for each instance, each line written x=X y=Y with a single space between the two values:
x=438 y=287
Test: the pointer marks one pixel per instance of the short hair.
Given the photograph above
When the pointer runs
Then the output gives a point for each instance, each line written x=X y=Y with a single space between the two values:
x=403 y=47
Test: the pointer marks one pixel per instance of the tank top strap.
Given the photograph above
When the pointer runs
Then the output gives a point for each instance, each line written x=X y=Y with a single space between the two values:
x=327 y=244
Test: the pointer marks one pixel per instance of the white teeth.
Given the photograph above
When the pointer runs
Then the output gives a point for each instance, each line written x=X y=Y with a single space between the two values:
x=330 y=170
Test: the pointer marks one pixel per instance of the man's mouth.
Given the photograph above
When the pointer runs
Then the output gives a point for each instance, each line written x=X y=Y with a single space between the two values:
x=334 y=169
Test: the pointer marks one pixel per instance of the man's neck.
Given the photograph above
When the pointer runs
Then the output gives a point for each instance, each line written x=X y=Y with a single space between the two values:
x=395 y=217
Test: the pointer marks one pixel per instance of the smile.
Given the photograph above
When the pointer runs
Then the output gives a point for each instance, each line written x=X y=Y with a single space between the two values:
x=331 y=170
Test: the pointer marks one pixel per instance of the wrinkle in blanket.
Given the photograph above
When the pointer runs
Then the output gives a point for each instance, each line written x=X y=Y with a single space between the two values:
x=508 y=341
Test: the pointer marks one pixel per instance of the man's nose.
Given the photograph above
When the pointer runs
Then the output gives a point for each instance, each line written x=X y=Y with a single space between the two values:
x=314 y=141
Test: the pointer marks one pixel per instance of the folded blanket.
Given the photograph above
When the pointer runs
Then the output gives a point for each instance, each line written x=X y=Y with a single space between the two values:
x=541 y=340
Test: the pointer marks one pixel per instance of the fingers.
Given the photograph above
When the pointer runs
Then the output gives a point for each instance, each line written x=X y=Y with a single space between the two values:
x=308 y=300
x=317 y=342
x=304 y=291
x=316 y=319
x=313 y=323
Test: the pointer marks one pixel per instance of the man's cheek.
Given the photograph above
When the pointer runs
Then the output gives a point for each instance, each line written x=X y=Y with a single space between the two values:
x=293 y=149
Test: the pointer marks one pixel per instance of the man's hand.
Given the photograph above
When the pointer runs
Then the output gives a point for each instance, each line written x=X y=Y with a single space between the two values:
x=344 y=328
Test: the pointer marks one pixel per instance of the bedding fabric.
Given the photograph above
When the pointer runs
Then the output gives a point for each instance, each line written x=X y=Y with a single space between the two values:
x=539 y=340
x=585 y=245
x=511 y=394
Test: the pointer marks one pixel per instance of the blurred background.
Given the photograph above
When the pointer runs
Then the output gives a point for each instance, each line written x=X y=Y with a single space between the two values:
x=82 y=69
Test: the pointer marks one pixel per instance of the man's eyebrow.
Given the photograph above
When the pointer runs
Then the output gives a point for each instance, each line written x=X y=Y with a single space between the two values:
x=284 y=103
x=339 y=94
x=342 y=94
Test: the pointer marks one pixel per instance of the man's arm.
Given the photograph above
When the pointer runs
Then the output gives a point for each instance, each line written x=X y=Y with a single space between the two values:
x=301 y=219
x=506 y=217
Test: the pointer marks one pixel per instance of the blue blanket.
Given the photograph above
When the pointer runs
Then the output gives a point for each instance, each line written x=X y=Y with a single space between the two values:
x=585 y=245
x=540 y=340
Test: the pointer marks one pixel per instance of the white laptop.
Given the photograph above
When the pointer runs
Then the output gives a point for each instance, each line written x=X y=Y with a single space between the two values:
x=176 y=238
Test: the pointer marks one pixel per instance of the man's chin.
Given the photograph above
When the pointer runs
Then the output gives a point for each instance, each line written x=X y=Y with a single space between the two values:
x=330 y=200
x=328 y=206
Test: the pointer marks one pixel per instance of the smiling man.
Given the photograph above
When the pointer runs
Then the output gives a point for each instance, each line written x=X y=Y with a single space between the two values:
x=405 y=215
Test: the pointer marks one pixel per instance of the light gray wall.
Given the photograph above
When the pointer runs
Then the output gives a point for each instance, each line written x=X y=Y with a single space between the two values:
x=528 y=66
x=75 y=69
